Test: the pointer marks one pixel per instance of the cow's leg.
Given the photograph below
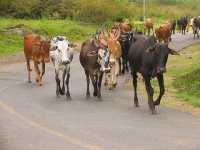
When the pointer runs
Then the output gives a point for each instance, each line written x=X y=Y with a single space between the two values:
x=127 y=66
x=123 y=64
x=106 y=79
x=88 y=84
x=134 y=74
x=116 y=70
x=58 y=88
x=150 y=93
x=67 y=84
x=94 y=82
x=100 y=77
x=37 y=70
x=42 y=74
x=148 y=31
x=120 y=70
x=63 y=82
x=28 y=69
x=162 y=89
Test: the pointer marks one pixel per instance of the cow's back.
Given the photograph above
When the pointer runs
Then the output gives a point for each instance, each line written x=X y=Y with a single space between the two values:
x=88 y=55
x=137 y=51
x=29 y=41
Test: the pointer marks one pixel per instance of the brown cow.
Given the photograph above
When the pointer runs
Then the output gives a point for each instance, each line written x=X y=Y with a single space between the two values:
x=126 y=26
x=94 y=58
x=163 y=33
x=115 y=54
x=36 y=48
x=148 y=25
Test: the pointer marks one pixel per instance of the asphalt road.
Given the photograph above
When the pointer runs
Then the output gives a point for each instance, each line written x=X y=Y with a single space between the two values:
x=32 y=118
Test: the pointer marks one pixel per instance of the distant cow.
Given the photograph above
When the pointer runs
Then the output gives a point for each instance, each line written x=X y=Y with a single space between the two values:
x=195 y=23
x=149 y=58
x=94 y=58
x=36 y=48
x=182 y=24
x=115 y=54
x=148 y=25
x=173 y=26
x=126 y=29
x=163 y=33
x=61 y=54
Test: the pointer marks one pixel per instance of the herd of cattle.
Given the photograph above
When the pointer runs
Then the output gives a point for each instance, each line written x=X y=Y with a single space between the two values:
x=111 y=52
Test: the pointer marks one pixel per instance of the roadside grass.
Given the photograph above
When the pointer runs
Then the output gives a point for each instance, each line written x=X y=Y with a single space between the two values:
x=12 y=42
x=182 y=81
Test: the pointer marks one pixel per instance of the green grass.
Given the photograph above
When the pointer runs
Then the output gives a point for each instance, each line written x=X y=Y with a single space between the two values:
x=11 y=43
x=185 y=71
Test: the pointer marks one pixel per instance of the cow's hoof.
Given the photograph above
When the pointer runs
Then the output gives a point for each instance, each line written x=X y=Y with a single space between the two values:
x=115 y=85
x=87 y=95
x=153 y=112
x=137 y=105
x=99 y=97
x=37 y=80
x=95 y=94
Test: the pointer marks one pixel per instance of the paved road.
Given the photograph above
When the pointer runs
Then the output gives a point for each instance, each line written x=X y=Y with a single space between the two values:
x=32 y=118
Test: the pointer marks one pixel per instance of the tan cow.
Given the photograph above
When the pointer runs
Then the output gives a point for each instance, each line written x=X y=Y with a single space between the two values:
x=148 y=25
x=115 y=54
x=163 y=33
x=36 y=48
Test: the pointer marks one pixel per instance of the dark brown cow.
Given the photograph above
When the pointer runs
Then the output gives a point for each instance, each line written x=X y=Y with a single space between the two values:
x=94 y=58
x=36 y=48
x=148 y=25
x=163 y=33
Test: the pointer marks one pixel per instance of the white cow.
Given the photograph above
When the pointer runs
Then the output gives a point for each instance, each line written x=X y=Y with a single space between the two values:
x=61 y=55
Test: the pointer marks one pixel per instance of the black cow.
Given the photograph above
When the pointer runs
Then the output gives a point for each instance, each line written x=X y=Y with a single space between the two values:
x=125 y=45
x=126 y=39
x=149 y=58
x=173 y=26
x=182 y=24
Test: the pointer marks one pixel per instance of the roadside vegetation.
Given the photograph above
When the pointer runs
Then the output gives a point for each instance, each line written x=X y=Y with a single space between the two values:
x=11 y=31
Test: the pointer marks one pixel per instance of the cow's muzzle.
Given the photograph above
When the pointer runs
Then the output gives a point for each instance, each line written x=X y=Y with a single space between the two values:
x=66 y=62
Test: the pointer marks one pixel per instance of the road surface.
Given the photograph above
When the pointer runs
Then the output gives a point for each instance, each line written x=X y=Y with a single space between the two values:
x=32 y=118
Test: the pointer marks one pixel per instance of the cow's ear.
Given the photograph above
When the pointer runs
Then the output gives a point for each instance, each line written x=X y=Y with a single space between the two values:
x=151 y=49
x=173 y=52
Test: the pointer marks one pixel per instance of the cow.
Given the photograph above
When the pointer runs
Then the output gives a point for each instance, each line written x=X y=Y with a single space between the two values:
x=148 y=25
x=195 y=23
x=163 y=33
x=36 y=48
x=115 y=54
x=94 y=58
x=126 y=29
x=61 y=55
x=182 y=24
x=149 y=58
x=173 y=26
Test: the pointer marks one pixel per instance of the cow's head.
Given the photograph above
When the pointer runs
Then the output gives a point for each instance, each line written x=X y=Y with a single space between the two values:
x=61 y=50
x=103 y=53
x=160 y=52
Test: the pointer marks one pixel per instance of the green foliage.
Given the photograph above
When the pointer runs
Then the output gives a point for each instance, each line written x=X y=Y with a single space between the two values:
x=185 y=71
x=97 y=10
x=10 y=44
x=189 y=86
x=11 y=41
